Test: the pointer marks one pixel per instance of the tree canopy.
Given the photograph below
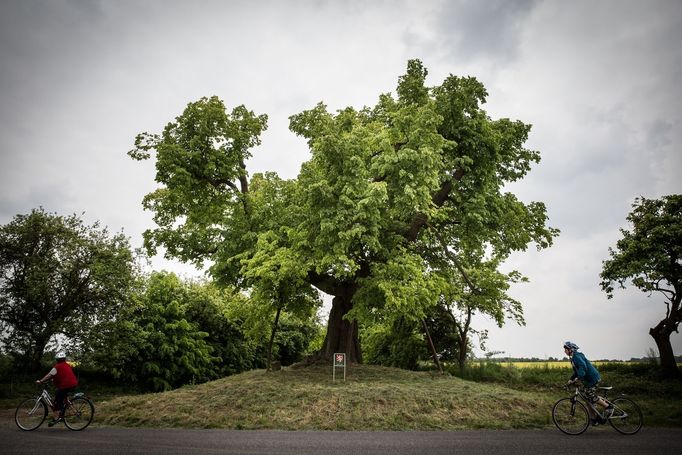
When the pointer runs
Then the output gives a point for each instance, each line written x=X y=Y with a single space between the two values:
x=650 y=257
x=58 y=276
x=361 y=220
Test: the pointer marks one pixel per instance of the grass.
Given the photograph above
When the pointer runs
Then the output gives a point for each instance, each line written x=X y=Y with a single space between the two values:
x=372 y=398
x=491 y=395
x=660 y=399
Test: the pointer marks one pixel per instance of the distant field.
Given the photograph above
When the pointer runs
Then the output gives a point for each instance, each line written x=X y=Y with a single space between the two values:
x=548 y=364
x=552 y=364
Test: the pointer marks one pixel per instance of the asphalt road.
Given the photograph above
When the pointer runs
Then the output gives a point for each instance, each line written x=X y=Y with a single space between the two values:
x=489 y=442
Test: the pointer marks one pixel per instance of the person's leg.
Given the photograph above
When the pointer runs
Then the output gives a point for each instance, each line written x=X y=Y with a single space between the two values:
x=59 y=398
x=591 y=395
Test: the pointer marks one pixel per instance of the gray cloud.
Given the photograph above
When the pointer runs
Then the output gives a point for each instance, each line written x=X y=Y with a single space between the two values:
x=598 y=80
x=489 y=30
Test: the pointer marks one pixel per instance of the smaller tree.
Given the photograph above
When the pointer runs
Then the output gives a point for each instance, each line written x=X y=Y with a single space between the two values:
x=650 y=257
x=58 y=276
x=277 y=289
x=489 y=297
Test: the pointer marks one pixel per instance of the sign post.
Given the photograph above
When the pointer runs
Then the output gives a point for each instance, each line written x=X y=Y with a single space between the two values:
x=339 y=362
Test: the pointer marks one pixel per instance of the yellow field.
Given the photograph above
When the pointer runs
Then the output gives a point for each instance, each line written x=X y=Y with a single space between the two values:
x=547 y=364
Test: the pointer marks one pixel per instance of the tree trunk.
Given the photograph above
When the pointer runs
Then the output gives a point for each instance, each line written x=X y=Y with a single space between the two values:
x=342 y=335
x=36 y=354
x=661 y=335
x=272 y=338
x=462 y=354
x=432 y=347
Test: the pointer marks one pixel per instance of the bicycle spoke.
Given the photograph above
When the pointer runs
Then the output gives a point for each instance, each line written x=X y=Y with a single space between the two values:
x=30 y=414
x=570 y=416
x=626 y=417
x=79 y=414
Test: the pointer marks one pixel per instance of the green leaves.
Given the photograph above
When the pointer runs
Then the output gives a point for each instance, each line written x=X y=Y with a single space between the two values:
x=59 y=276
x=200 y=163
x=650 y=254
x=353 y=222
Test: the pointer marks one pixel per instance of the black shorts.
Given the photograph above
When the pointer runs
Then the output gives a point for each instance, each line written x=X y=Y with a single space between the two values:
x=591 y=393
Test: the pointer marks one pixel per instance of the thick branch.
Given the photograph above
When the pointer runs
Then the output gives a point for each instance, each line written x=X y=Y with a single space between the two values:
x=438 y=199
x=326 y=283
x=243 y=181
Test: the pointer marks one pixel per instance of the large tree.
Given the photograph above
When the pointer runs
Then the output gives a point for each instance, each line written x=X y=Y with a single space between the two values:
x=362 y=215
x=58 y=276
x=650 y=257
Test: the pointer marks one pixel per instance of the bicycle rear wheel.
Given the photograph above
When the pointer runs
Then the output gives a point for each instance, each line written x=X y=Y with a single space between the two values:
x=627 y=417
x=570 y=416
x=30 y=414
x=79 y=414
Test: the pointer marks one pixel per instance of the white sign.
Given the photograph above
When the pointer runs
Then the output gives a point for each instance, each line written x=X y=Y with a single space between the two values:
x=339 y=361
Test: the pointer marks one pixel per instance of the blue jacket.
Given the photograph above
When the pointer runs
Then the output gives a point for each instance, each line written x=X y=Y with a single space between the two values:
x=583 y=370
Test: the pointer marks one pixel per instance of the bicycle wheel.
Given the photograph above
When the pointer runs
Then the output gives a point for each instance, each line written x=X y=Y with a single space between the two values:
x=30 y=414
x=570 y=416
x=79 y=414
x=627 y=417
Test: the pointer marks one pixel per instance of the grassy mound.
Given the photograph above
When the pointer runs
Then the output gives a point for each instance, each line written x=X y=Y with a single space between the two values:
x=372 y=398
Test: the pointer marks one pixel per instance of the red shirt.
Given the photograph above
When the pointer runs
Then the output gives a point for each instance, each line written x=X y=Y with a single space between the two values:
x=64 y=379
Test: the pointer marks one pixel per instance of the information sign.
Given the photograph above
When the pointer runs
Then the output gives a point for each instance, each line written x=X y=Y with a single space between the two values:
x=339 y=362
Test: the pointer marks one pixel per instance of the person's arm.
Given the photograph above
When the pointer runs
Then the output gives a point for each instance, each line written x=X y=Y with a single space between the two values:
x=579 y=366
x=52 y=372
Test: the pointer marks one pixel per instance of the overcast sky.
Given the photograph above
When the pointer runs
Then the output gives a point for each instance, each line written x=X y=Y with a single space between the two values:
x=598 y=80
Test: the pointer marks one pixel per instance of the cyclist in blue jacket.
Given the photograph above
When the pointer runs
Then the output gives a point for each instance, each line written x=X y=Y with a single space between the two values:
x=586 y=373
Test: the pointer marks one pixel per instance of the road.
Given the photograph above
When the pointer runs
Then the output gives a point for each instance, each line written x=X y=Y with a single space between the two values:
x=489 y=442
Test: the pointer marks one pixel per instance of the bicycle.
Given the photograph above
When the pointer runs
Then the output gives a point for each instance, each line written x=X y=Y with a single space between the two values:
x=32 y=412
x=570 y=415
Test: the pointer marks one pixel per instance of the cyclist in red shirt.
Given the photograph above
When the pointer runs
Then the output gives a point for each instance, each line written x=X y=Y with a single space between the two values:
x=64 y=381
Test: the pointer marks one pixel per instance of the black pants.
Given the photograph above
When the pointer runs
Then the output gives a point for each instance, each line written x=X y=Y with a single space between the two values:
x=59 y=399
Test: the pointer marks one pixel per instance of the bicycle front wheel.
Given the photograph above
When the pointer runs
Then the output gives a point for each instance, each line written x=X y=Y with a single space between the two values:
x=79 y=414
x=30 y=414
x=570 y=416
x=627 y=417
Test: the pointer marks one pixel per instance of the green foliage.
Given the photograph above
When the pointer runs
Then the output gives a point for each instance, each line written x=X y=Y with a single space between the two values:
x=296 y=332
x=207 y=306
x=443 y=333
x=650 y=257
x=59 y=276
x=399 y=344
x=176 y=332
x=360 y=220
x=200 y=160
x=153 y=343
x=293 y=339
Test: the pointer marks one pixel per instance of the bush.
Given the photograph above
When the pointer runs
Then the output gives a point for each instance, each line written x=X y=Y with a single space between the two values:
x=399 y=345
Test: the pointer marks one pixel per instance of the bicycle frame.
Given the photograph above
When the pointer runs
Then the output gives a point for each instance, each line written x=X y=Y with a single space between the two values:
x=579 y=394
x=590 y=405
x=47 y=398
x=44 y=396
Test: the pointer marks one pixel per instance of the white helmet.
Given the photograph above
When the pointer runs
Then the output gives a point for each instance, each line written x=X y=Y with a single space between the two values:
x=60 y=355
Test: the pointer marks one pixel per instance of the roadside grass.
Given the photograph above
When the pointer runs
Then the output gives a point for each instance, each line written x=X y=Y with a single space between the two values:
x=372 y=398
x=659 y=398
x=485 y=395
x=24 y=386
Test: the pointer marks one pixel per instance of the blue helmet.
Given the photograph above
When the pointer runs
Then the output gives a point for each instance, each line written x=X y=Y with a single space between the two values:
x=570 y=345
